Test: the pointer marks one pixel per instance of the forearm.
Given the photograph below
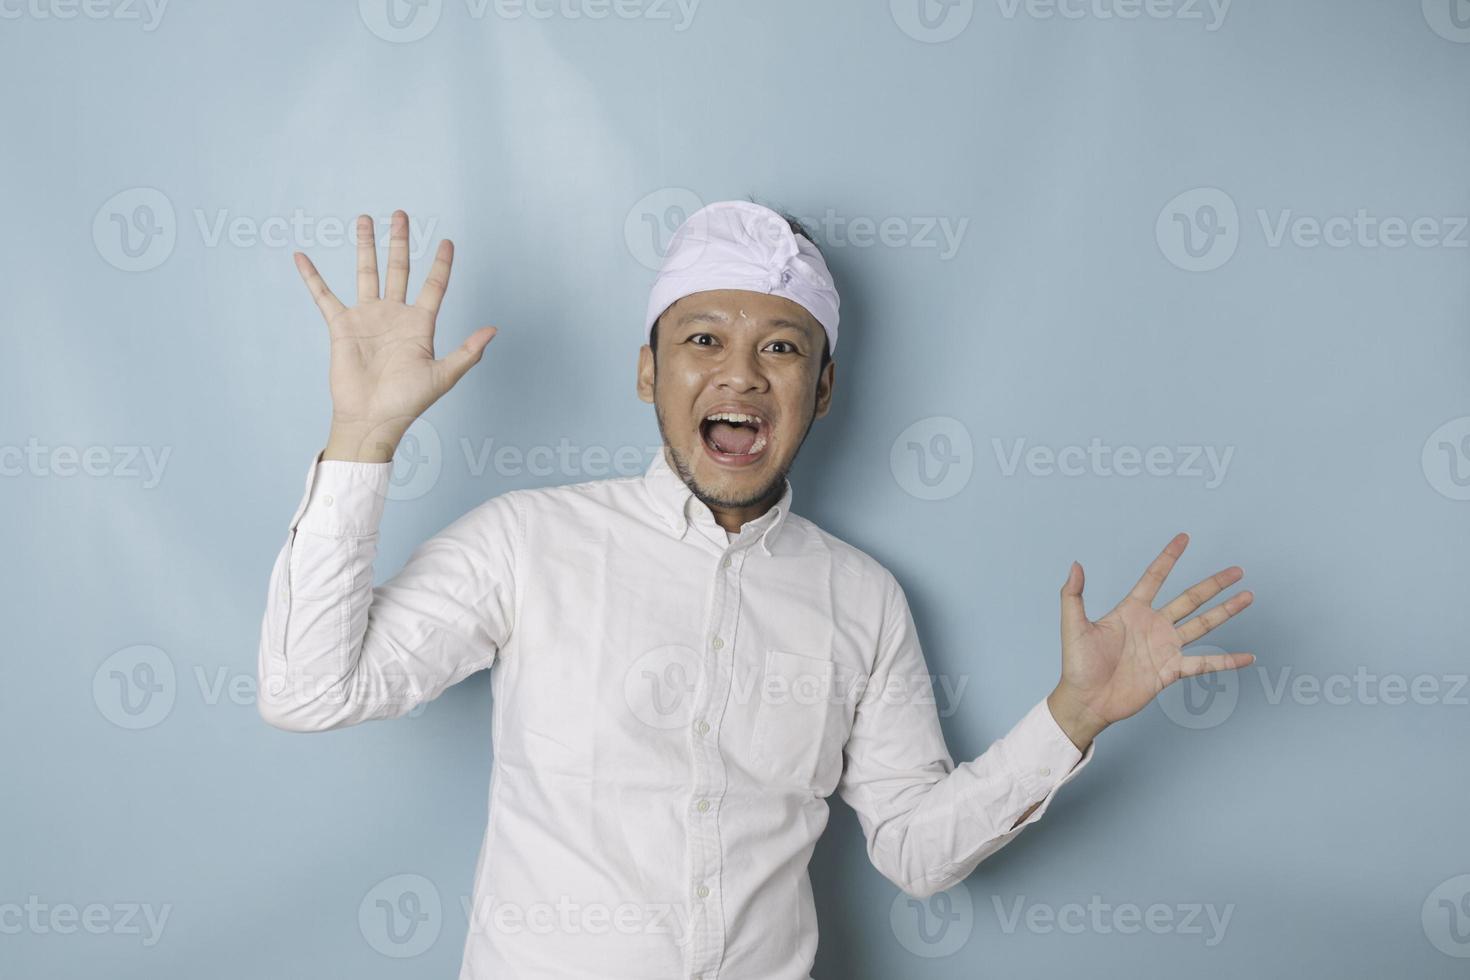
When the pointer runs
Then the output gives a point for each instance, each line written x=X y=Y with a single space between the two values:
x=1078 y=730
x=335 y=650
x=317 y=604
x=946 y=828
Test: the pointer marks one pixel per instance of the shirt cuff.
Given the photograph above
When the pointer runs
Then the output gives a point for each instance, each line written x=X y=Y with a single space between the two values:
x=1042 y=758
x=343 y=498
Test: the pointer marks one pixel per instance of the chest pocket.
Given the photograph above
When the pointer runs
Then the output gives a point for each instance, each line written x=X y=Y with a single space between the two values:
x=803 y=718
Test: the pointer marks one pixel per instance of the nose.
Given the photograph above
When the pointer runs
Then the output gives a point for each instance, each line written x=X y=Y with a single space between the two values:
x=740 y=370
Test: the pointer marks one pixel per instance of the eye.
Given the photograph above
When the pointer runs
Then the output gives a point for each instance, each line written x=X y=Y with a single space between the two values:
x=695 y=339
x=790 y=347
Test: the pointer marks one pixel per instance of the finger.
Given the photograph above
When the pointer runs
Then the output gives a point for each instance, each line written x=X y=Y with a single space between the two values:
x=1206 y=621
x=1074 y=615
x=1153 y=578
x=1211 y=663
x=432 y=293
x=367 y=260
x=452 y=366
x=397 y=259
x=329 y=304
x=1201 y=592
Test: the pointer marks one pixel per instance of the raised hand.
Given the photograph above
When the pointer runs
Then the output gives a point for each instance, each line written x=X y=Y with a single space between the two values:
x=383 y=371
x=1113 y=667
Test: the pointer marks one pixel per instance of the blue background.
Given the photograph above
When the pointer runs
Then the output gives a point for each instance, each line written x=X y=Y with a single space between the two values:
x=1120 y=184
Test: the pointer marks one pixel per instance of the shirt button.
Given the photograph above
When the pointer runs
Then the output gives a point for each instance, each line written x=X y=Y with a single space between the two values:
x=703 y=805
x=328 y=499
x=702 y=891
x=1046 y=772
x=726 y=562
x=701 y=726
x=719 y=643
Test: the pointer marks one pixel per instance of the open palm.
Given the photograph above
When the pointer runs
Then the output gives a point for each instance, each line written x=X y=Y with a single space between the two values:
x=1113 y=667
x=383 y=371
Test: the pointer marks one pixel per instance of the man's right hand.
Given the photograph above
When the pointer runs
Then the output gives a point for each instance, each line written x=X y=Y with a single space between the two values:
x=383 y=373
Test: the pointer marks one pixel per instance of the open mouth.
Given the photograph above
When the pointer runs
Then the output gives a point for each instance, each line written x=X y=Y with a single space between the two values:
x=734 y=438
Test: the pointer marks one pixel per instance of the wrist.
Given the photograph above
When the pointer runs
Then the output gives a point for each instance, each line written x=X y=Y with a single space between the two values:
x=1076 y=721
x=362 y=444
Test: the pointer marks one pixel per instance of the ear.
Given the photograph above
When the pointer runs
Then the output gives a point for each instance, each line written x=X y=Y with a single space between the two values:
x=645 y=373
x=825 y=381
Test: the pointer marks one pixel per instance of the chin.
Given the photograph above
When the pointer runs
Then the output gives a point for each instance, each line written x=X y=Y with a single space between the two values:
x=741 y=485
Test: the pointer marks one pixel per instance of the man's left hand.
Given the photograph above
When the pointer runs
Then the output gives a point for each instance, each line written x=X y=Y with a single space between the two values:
x=1113 y=667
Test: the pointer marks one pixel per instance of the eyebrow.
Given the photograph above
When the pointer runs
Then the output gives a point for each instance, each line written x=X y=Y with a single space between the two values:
x=708 y=316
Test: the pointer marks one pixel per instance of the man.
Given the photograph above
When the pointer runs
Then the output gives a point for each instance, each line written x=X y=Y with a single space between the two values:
x=686 y=669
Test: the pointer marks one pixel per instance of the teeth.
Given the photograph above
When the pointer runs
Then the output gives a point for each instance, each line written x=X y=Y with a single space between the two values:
x=732 y=417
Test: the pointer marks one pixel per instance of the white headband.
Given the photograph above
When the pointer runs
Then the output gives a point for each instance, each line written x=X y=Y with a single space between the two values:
x=741 y=245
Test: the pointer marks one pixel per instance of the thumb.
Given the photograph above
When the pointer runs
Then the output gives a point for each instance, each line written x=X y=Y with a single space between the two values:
x=457 y=362
x=1074 y=616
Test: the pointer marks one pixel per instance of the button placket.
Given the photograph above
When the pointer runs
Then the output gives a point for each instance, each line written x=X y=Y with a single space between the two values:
x=706 y=920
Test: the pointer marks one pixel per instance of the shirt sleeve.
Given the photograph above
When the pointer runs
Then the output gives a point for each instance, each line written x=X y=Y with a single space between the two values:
x=334 y=650
x=928 y=822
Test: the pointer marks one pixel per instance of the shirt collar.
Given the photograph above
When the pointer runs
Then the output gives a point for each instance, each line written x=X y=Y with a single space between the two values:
x=673 y=501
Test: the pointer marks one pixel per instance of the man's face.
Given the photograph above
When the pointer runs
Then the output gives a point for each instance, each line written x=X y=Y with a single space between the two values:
x=753 y=359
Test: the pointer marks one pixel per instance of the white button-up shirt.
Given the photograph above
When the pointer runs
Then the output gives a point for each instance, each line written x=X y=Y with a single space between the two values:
x=673 y=704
